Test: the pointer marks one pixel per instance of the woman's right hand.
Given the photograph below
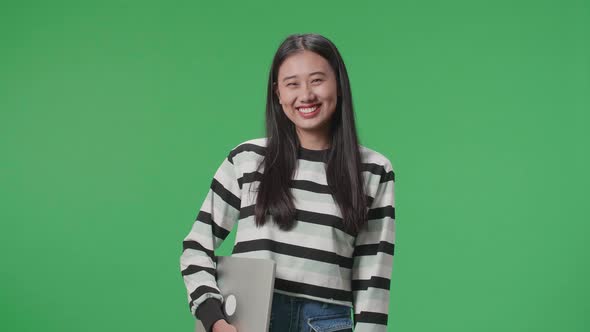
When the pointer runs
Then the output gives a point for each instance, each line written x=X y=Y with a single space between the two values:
x=223 y=326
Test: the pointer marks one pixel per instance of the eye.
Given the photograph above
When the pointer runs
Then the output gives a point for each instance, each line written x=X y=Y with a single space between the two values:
x=317 y=79
x=291 y=83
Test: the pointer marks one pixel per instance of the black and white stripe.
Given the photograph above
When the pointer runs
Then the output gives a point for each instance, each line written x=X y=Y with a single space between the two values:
x=318 y=258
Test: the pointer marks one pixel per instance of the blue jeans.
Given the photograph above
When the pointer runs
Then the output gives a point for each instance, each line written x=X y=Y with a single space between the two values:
x=294 y=314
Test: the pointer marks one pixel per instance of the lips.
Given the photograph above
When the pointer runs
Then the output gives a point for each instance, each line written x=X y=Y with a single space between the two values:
x=311 y=114
x=308 y=106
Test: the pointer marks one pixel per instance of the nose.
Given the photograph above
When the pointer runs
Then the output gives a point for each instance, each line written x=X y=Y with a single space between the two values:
x=308 y=95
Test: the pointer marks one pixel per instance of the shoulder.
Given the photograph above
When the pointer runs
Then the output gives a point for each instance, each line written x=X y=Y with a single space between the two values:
x=376 y=164
x=248 y=149
x=371 y=156
x=260 y=141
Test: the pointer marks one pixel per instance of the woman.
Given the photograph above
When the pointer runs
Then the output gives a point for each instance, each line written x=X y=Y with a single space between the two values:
x=308 y=196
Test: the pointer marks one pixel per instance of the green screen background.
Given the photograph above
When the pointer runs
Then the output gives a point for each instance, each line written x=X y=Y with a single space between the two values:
x=115 y=115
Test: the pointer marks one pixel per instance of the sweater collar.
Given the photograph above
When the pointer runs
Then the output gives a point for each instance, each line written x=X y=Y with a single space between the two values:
x=314 y=155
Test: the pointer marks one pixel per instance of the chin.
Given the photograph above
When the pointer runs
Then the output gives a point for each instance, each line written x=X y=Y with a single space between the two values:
x=309 y=127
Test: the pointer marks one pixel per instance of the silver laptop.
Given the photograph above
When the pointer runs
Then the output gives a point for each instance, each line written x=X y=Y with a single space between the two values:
x=251 y=281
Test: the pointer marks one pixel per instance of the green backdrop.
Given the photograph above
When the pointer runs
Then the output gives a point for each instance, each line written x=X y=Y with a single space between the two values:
x=115 y=115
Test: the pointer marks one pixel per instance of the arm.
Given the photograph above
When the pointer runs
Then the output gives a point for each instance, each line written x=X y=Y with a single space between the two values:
x=217 y=216
x=373 y=259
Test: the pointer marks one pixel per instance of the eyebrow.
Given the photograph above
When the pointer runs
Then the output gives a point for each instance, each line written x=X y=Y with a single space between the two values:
x=315 y=72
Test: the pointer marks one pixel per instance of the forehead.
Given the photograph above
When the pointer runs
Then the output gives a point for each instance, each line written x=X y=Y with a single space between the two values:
x=301 y=64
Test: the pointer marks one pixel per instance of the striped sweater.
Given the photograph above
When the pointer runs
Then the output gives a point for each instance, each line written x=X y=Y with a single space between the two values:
x=317 y=259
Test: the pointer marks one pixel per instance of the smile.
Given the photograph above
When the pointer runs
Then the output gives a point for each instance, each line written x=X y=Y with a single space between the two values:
x=308 y=112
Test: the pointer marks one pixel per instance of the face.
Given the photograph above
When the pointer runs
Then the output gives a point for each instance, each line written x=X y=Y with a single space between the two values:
x=307 y=91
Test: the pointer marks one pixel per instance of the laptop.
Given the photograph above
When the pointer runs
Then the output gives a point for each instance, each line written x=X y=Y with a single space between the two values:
x=251 y=282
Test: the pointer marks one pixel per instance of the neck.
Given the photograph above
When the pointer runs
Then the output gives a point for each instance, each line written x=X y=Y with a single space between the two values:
x=313 y=140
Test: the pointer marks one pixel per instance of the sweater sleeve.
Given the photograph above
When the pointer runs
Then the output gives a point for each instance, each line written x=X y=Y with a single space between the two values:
x=215 y=219
x=373 y=259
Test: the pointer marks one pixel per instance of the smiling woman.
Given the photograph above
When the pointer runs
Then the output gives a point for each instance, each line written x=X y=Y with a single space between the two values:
x=309 y=197
x=307 y=91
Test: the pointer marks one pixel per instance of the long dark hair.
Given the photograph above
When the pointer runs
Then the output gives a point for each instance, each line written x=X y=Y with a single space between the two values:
x=343 y=166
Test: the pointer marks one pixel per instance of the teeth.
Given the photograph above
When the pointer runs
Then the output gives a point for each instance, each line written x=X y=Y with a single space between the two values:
x=308 y=110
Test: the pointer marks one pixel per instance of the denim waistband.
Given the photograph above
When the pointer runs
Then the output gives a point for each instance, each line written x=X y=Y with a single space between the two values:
x=297 y=314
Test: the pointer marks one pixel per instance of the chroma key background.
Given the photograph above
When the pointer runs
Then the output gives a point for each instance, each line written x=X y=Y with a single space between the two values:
x=114 y=116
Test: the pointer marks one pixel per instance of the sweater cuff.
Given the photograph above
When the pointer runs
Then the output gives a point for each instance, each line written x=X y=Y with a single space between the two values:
x=209 y=312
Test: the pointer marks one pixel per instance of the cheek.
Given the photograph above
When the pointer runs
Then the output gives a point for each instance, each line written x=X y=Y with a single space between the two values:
x=287 y=99
x=288 y=109
x=328 y=92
